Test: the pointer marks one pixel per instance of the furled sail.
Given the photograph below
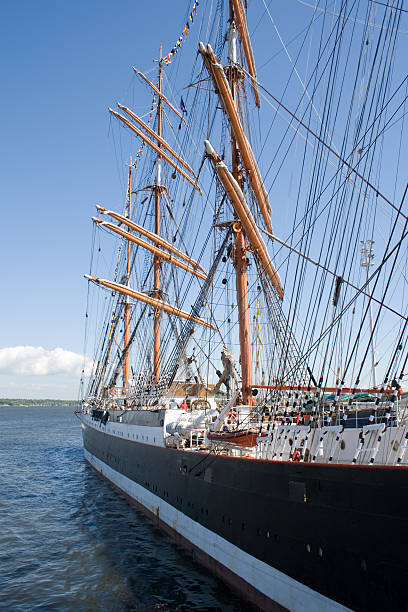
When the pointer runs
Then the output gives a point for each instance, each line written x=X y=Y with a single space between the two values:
x=222 y=87
x=238 y=201
x=246 y=43
x=159 y=139
x=151 y=236
x=147 y=299
x=159 y=93
x=149 y=247
x=156 y=148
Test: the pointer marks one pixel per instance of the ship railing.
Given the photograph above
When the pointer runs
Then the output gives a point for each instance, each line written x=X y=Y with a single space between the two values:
x=340 y=445
x=303 y=443
x=399 y=446
x=286 y=443
x=357 y=415
x=328 y=444
x=266 y=444
x=369 y=435
x=197 y=438
x=376 y=442
x=380 y=443
x=194 y=440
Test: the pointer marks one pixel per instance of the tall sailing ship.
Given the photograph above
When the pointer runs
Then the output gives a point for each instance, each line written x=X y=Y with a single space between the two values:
x=247 y=384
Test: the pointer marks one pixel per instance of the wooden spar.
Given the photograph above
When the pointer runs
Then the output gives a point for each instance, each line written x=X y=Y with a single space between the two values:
x=240 y=206
x=153 y=237
x=142 y=297
x=247 y=156
x=159 y=93
x=127 y=305
x=155 y=148
x=206 y=58
x=157 y=137
x=240 y=18
x=325 y=389
x=252 y=231
x=149 y=247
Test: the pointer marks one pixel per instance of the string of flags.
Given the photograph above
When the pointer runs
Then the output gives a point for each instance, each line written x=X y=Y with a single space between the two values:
x=183 y=35
x=139 y=154
x=183 y=107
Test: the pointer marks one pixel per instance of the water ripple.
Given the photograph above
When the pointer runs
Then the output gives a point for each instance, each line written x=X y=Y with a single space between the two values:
x=69 y=541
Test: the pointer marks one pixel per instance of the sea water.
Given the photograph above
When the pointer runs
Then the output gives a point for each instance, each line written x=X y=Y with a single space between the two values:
x=69 y=541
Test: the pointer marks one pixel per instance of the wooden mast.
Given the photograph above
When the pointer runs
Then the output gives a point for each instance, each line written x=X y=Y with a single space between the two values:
x=240 y=262
x=156 y=259
x=127 y=305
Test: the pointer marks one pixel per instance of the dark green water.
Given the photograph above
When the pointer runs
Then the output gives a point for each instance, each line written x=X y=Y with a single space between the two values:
x=68 y=541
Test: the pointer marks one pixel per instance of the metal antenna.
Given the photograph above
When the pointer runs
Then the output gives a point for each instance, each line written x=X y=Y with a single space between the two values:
x=367 y=260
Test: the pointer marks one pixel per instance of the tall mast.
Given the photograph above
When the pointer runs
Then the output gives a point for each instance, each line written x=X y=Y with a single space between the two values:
x=127 y=305
x=240 y=262
x=156 y=259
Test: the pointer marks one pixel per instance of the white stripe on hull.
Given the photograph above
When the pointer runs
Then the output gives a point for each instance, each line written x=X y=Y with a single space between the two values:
x=272 y=583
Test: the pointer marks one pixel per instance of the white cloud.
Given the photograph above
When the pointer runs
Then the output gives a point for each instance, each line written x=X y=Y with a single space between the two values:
x=37 y=361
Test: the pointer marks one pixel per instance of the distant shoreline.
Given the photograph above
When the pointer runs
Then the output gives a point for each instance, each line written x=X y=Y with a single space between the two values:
x=9 y=403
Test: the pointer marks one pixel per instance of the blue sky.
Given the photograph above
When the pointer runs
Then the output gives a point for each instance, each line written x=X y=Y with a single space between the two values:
x=62 y=64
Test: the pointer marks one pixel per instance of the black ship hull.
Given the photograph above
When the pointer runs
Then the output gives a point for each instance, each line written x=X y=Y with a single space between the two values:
x=287 y=535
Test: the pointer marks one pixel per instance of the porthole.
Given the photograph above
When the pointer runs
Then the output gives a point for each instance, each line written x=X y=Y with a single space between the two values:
x=395 y=445
x=290 y=441
x=342 y=445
